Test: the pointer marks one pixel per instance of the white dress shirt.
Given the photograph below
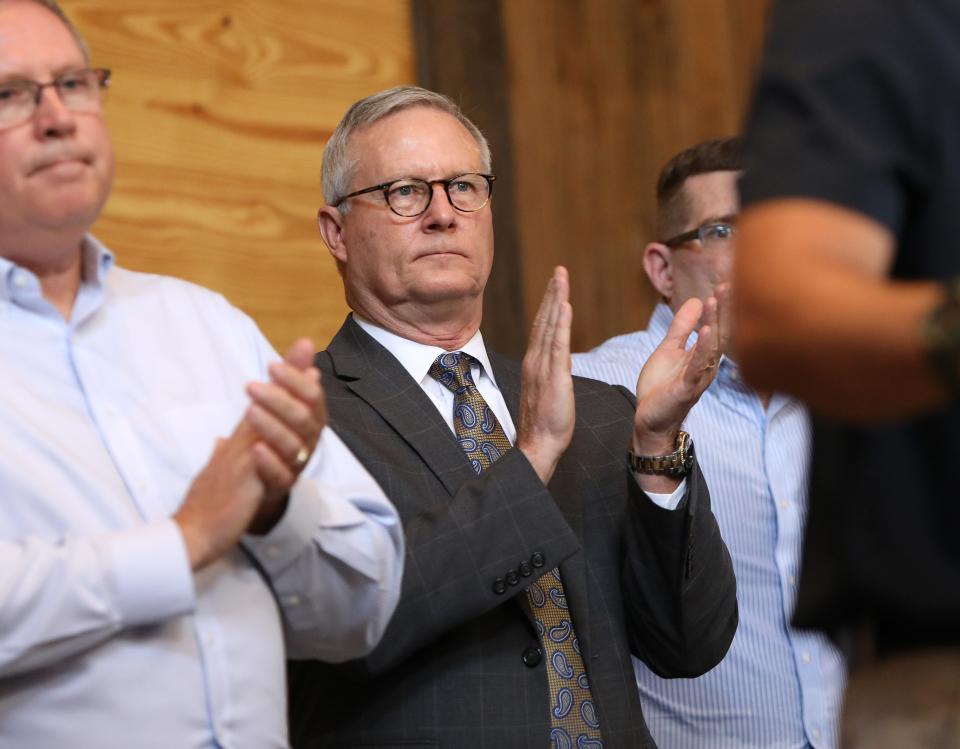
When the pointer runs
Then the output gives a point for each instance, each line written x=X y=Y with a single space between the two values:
x=106 y=637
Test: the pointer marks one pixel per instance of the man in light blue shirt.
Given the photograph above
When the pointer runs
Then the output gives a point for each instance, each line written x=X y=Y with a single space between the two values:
x=776 y=687
x=174 y=517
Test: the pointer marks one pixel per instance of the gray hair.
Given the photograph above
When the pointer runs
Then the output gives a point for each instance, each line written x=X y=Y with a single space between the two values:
x=54 y=7
x=337 y=167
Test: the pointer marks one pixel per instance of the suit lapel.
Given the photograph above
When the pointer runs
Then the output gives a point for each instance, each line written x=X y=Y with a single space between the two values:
x=507 y=377
x=377 y=378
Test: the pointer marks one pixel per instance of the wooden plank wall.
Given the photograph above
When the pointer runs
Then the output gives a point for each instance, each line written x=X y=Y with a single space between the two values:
x=461 y=51
x=603 y=94
x=600 y=94
x=219 y=113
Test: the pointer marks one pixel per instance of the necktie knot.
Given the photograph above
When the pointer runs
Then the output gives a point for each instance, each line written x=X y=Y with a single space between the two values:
x=479 y=433
x=452 y=370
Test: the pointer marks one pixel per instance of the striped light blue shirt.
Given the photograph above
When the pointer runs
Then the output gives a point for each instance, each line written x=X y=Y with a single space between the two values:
x=777 y=687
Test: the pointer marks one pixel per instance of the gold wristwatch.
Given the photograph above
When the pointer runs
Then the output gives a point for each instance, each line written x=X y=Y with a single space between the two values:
x=676 y=464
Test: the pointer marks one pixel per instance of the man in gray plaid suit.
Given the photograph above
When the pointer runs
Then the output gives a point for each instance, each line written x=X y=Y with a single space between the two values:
x=554 y=525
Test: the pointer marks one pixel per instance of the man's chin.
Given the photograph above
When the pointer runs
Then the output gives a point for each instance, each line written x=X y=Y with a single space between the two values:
x=441 y=289
x=66 y=220
x=65 y=209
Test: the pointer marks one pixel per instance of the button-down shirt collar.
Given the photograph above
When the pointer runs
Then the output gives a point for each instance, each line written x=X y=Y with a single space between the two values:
x=21 y=287
x=416 y=359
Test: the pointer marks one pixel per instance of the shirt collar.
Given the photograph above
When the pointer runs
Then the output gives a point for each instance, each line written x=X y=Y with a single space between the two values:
x=660 y=321
x=417 y=358
x=21 y=285
x=96 y=261
x=659 y=324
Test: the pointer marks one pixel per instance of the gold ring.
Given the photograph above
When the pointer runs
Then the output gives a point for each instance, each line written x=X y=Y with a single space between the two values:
x=303 y=455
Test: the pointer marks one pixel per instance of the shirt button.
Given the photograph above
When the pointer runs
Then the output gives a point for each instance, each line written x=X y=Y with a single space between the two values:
x=792 y=580
x=293 y=600
x=499 y=586
x=524 y=569
x=784 y=505
x=20 y=279
x=806 y=657
x=208 y=640
x=531 y=657
x=512 y=577
x=272 y=552
x=815 y=733
x=537 y=559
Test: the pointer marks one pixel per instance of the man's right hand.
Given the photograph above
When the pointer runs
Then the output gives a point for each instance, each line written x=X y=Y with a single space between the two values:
x=222 y=500
x=243 y=487
x=546 y=395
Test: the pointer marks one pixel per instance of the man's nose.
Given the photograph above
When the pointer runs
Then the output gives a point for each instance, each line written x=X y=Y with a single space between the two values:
x=440 y=214
x=52 y=117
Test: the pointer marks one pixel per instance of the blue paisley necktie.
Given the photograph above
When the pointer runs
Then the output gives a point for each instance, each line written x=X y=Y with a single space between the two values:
x=573 y=717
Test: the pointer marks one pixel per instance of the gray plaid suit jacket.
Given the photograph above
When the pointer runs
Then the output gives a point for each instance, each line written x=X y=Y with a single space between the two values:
x=458 y=666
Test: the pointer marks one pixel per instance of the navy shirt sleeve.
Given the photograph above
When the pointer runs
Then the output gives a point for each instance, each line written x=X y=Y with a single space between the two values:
x=842 y=107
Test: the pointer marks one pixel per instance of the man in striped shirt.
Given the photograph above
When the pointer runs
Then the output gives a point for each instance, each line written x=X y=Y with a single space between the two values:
x=777 y=687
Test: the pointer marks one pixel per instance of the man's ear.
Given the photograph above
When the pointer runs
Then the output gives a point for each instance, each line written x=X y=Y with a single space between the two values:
x=330 y=223
x=658 y=263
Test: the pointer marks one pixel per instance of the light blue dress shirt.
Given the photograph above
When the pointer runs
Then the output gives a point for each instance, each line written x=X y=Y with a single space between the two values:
x=107 y=639
x=777 y=688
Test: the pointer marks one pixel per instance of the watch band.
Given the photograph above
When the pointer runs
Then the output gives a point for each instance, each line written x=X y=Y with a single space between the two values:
x=677 y=464
x=941 y=337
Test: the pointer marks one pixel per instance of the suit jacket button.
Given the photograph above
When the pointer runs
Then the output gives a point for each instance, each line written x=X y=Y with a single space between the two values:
x=537 y=560
x=512 y=577
x=525 y=569
x=499 y=586
x=531 y=657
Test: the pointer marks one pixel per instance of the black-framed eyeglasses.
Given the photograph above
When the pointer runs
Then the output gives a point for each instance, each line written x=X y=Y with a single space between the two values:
x=411 y=196
x=712 y=234
x=79 y=90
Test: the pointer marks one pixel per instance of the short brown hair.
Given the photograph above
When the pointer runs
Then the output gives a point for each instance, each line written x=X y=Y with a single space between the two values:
x=715 y=155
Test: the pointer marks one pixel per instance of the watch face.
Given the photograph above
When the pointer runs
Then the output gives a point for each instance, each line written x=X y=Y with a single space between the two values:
x=677 y=464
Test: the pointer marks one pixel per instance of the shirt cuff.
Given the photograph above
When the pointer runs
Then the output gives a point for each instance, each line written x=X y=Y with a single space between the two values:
x=669 y=501
x=151 y=573
x=332 y=494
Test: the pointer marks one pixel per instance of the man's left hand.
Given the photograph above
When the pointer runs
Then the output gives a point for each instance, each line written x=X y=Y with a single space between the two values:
x=674 y=378
x=285 y=419
x=547 y=410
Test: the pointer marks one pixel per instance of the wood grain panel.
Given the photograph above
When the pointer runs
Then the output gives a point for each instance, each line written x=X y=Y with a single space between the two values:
x=460 y=53
x=603 y=92
x=219 y=113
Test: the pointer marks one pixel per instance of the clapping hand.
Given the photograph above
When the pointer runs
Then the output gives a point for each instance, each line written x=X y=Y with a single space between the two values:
x=245 y=484
x=674 y=377
x=546 y=395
